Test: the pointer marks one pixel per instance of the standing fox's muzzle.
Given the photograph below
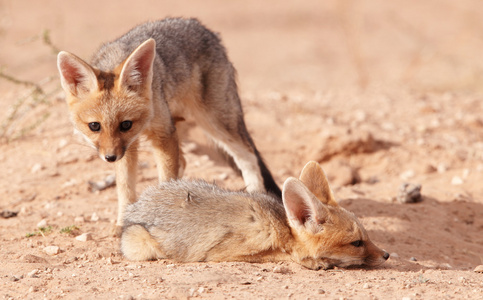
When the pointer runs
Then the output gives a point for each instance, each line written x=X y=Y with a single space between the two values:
x=111 y=148
x=110 y=158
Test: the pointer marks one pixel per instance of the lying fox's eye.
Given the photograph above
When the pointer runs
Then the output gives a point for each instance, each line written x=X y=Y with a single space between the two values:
x=126 y=125
x=94 y=126
x=357 y=243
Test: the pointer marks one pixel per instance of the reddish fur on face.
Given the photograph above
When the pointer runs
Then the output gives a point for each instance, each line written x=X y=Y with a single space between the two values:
x=110 y=105
x=325 y=235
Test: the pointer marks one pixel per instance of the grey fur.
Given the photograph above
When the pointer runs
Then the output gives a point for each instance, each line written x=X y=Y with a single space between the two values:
x=188 y=52
x=198 y=219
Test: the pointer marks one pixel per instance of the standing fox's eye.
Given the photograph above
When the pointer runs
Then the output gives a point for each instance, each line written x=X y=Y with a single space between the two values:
x=126 y=125
x=94 y=126
x=357 y=243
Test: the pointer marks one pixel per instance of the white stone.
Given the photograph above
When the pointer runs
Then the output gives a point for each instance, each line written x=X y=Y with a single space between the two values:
x=456 y=180
x=36 y=168
x=94 y=217
x=52 y=250
x=33 y=273
x=42 y=223
x=84 y=237
x=79 y=219
x=63 y=143
x=407 y=175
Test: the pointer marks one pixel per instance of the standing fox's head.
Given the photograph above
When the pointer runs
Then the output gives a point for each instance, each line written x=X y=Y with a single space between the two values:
x=110 y=108
x=325 y=234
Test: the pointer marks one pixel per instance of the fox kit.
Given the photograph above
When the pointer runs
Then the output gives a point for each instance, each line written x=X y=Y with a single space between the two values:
x=146 y=80
x=190 y=221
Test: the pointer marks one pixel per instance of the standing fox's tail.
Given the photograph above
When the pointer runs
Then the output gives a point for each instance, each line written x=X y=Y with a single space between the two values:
x=268 y=180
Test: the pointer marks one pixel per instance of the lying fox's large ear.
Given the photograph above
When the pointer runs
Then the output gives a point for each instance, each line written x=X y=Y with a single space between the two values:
x=315 y=180
x=301 y=205
x=76 y=76
x=137 y=71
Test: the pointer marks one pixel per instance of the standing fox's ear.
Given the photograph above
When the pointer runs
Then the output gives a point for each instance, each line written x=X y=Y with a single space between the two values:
x=137 y=71
x=315 y=180
x=76 y=76
x=301 y=205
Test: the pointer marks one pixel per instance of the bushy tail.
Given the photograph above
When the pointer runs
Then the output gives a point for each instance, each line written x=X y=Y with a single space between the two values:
x=138 y=245
x=268 y=180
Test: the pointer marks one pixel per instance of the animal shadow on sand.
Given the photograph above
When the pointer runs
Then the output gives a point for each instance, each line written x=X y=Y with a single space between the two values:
x=427 y=235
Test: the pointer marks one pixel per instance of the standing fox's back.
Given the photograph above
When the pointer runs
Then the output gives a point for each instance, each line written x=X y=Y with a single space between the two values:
x=180 y=44
x=192 y=221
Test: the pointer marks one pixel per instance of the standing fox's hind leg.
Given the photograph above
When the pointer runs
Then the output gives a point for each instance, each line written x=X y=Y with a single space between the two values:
x=218 y=111
x=236 y=142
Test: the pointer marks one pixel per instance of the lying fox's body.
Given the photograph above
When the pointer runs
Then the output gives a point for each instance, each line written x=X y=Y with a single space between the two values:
x=146 y=80
x=190 y=221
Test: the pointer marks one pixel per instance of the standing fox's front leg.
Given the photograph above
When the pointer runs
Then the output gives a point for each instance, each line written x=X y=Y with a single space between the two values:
x=126 y=170
x=167 y=154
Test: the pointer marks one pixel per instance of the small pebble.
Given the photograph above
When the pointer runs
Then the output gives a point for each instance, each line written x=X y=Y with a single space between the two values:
x=36 y=168
x=52 y=250
x=94 y=217
x=394 y=255
x=111 y=261
x=409 y=193
x=79 y=219
x=428 y=169
x=441 y=168
x=84 y=237
x=107 y=182
x=63 y=143
x=320 y=291
x=42 y=223
x=407 y=175
x=445 y=266
x=456 y=180
x=281 y=270
x=366 y=286
x=413 y=259
x=33 y=273
x=69 y=183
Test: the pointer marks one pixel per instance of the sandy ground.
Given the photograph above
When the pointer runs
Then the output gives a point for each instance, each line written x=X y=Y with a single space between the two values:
x=380 y=92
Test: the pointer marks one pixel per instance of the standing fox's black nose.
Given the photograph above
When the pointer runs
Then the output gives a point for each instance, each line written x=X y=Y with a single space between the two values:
x=110 y=158
x=385 y=255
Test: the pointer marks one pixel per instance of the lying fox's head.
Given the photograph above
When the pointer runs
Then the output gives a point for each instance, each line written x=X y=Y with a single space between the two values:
x=326 y=235
x=111 y=108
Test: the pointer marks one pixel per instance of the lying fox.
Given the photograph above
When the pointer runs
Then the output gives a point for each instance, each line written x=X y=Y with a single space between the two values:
x=192 y=221
x=142 y=84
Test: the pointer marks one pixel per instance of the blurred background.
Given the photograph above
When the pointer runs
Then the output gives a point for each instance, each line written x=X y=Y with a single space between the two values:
x=275 y=45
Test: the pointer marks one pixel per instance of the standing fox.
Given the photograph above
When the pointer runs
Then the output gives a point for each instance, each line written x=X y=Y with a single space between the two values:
x=190 y=221
x=142 y=84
